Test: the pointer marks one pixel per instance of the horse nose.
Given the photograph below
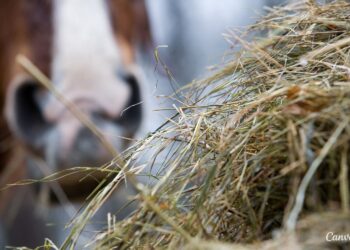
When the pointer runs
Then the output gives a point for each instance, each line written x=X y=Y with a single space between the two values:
x=116 y=128
x=44 y=125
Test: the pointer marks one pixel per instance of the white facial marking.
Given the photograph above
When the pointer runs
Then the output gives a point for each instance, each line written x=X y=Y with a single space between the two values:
x=86 y=58
x=85 y=64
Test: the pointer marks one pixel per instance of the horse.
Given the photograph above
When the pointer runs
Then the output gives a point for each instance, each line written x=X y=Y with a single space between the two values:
x=87 y=49
x=89 y=52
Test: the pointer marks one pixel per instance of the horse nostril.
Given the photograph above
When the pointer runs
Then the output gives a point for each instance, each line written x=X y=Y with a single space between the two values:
x=24 y=113
x=131 y=117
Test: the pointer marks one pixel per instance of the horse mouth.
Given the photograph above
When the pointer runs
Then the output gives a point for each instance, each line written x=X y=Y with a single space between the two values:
x=76 y=187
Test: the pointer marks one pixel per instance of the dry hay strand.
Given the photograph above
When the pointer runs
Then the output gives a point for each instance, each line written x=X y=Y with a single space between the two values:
x=260 y=146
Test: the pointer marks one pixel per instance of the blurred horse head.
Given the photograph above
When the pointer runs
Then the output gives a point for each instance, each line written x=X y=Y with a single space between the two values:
x=87 y=49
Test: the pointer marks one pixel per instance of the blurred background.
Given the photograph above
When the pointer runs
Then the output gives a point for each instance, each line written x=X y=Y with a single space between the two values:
x=193 y=31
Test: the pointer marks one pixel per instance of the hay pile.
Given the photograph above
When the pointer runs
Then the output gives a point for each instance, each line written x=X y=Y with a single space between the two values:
x=262 y=145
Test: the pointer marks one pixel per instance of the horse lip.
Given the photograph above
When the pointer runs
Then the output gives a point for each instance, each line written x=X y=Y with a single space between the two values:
x=78 y=186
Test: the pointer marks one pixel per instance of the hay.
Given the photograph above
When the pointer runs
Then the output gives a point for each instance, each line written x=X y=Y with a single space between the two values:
x=260 y=146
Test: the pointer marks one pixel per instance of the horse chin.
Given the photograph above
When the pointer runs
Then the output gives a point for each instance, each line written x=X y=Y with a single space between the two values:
x=74 y=172
x=76 y=181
